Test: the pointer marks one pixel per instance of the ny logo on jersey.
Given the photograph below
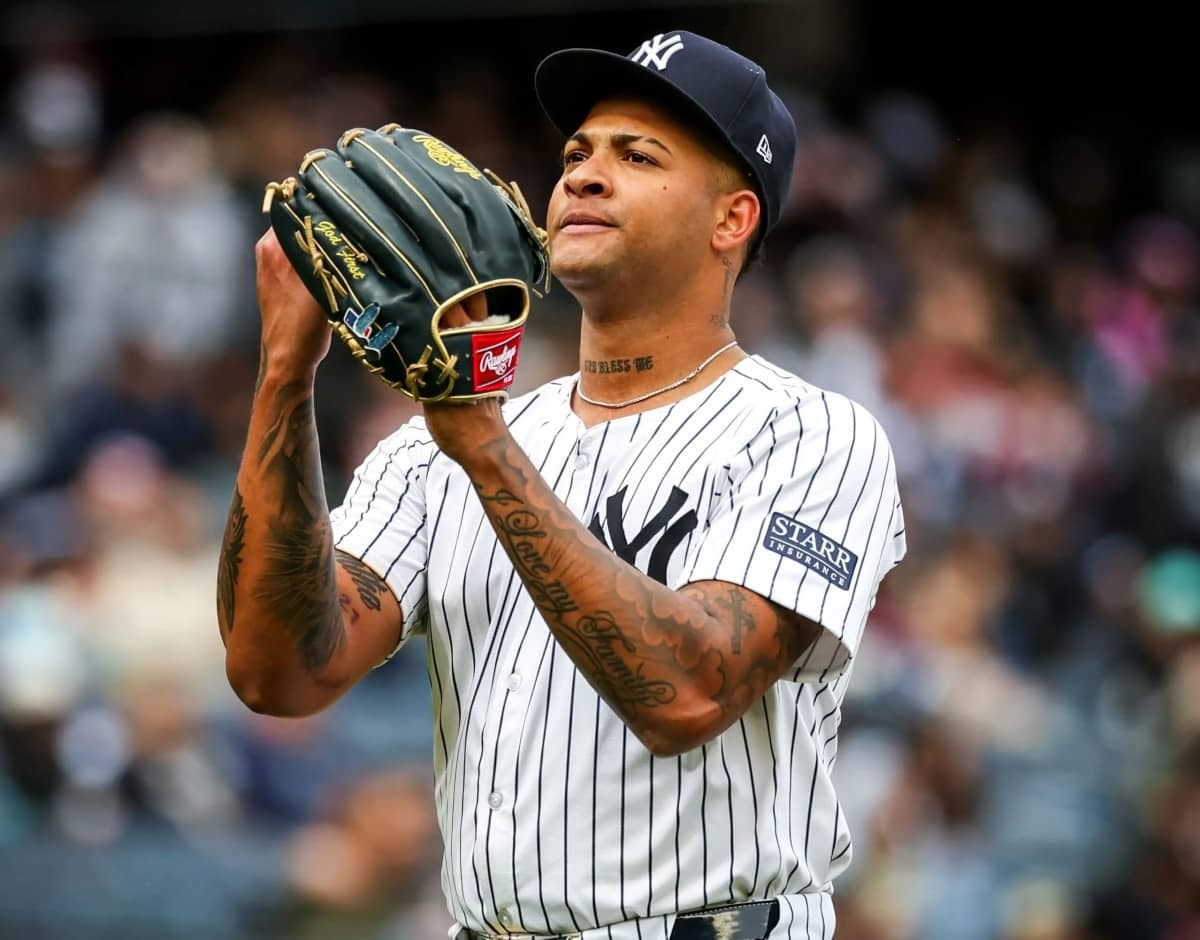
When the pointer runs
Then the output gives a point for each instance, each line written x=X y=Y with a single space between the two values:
x=658 y=51
x=672 y=532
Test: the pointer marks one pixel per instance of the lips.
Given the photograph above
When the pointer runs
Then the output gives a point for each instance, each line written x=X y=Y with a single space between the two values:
x=585 y=221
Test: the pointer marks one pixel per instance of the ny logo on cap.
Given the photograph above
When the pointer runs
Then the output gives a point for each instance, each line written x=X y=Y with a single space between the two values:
x=658 y=51
x=764 y=149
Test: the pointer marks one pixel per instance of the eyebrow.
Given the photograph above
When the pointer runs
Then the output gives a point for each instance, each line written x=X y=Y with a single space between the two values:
x=619 y=140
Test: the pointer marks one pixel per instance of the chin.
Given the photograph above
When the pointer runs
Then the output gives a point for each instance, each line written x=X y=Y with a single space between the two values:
x=579 y=270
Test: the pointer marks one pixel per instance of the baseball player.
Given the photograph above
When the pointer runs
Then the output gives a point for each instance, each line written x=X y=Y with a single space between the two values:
x=640 y=587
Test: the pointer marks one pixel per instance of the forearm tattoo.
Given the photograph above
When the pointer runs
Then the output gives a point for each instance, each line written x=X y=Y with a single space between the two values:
x=524 y=539
x=232 y=546
x=638 y=642
x=595 y=635
x=298 y=583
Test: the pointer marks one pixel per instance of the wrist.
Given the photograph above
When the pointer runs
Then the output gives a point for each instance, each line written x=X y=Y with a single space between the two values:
x=278 y=371
x=474 y=436
x=484 y=460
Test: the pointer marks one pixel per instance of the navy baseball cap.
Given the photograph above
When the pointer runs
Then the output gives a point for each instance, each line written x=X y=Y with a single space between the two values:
x=706 y=83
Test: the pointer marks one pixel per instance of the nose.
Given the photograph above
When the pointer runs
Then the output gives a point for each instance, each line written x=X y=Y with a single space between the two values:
x=587 y=178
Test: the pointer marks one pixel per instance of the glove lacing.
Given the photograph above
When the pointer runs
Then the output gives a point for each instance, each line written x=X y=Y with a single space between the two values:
x=517 y=198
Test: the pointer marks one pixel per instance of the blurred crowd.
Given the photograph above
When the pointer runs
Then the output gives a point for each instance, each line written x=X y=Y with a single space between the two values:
x=1020 y=751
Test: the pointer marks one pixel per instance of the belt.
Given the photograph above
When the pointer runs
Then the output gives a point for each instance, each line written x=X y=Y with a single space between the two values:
x=752 y=920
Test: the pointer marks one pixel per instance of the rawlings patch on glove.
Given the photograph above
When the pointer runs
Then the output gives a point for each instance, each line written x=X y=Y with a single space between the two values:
x=394 y=229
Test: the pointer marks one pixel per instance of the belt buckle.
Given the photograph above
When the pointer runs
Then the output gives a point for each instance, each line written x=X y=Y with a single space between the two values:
x=745 y=920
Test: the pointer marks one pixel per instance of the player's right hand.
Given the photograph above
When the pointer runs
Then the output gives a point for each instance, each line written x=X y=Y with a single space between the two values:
x=295 y=329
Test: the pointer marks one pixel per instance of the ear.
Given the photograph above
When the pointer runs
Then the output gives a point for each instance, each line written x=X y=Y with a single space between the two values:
x=737 y=218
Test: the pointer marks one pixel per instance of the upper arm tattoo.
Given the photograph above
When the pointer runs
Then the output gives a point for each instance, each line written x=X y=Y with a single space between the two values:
x=370 y=587
x=780 y=637
x=739 y=617
x=370 y=594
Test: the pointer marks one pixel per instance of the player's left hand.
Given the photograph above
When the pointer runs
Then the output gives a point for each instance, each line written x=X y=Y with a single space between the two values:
x=461 y=431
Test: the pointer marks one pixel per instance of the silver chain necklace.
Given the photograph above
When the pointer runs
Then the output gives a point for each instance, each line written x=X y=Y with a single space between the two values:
x=666 y=388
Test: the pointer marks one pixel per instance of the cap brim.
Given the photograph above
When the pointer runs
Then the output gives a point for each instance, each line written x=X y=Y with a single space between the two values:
x=570 y=83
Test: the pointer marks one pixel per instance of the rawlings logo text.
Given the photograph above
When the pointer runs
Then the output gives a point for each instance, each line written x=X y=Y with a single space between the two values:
x=495 y=359
x=498 y=363
x=443 y=155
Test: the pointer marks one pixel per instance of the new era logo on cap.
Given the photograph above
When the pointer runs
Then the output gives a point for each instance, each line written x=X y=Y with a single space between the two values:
x=658 y=51
x=764 y=148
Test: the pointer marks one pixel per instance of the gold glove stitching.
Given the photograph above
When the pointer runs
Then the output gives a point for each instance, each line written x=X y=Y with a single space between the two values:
x=343 y=331
x=448 y=371
x=375 y=228
x=340 y=286
x=308 y=243
x=286 y=189
x=312 y=157
x=415 y=374
x=445 y=228
x=513 y=191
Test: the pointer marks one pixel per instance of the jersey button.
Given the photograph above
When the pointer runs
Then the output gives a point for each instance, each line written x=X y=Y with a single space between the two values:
x=582 y=460
x=495 y=799
x=514 y=681
x=506 y=917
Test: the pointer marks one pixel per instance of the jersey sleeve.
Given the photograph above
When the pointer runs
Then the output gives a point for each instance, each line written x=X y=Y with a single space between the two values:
x=382 y=519
x=808 y=516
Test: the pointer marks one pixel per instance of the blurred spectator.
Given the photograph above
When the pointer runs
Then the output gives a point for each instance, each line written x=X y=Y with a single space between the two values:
x=155 y=258
x=373 y=852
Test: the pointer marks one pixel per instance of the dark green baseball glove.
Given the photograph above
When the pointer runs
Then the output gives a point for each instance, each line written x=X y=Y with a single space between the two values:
x=393 y=230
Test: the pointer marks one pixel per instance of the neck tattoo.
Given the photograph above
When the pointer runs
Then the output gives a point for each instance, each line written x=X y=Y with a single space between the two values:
x=613 y=366
x=658 y=391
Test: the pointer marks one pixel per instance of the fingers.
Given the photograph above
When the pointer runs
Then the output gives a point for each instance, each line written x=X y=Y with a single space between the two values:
x=279 y=287
x=476 y=306
x=471 y=310
x=267 y=247
x=272 y=261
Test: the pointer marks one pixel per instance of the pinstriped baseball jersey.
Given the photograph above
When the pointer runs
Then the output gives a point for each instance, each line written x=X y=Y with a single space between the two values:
x=556 y=819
